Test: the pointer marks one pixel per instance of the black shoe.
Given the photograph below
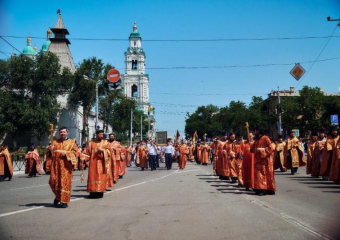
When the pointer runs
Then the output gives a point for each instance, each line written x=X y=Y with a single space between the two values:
x=120 y=177
x=56 y=202
x=247 y=189
x=114 y=182
x=270 y=192
x=63 y=205
x=240 y=185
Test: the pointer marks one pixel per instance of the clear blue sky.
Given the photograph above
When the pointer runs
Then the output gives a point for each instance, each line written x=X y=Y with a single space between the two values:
x=193 y=20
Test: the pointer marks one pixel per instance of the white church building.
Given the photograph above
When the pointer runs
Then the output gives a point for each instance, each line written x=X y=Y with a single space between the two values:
x=135 y=81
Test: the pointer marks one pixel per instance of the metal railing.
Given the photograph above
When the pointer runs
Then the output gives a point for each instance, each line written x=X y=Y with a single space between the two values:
x=18 y=160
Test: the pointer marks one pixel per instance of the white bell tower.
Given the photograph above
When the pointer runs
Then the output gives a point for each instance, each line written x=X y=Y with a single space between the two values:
x=135 y=82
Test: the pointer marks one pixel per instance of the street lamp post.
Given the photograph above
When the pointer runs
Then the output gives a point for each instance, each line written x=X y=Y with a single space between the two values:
x=141 y=126
x=279 y=110
x=131 y=128
x=97 y=98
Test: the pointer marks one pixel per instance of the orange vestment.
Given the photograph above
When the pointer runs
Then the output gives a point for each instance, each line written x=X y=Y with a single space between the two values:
x=183 y=151
x=6 y=168
x=263 y=164
x=142 y=154
x=296 y=152
x=84 y=158
x=279 y=156
x=115 y=149
x=222 y=167
x=310 y=156
x=248 y=166
x=100 y=172
x=121 y=162
x=334 y=174
x=47 y=161
x=198 y=153
x=128 y=156
x=230 y=149
x=62 y=168
x=327 y=157
x=191 y=153
x=317 y=157
x=30 y=158
x=240 y=150
x=204 y=153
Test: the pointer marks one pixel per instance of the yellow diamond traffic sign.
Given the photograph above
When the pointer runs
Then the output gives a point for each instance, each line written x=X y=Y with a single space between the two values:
x=297 y=71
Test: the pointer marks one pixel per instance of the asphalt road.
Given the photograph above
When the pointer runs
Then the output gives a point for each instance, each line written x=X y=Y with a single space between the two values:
x=175 y=204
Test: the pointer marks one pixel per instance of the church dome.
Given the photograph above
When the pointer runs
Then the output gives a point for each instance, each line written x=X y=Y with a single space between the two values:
x=28 y=50
x=46 y=45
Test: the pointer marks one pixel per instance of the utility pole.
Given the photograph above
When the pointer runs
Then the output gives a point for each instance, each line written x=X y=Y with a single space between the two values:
x=97 y=99
x=279 y=110
x=131 y=128
x=141 y=126
x=97 y=108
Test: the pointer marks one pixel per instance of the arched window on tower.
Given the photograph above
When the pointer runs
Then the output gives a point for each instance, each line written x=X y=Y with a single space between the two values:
x=134 y=64
x=134 y=91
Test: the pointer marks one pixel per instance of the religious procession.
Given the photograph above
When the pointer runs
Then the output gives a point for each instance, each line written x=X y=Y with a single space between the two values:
x=248 y=163
x=169 y=120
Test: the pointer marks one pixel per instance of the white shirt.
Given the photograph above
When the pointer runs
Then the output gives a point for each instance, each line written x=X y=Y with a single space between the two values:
x=152 y=150
x=169 y=149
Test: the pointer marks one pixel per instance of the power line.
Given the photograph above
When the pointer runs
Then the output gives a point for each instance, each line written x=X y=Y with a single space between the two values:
x=211 y=94
x=236 y=66
x=316 y=60
x=10 y=44
x=193 y=40
x=4 y=53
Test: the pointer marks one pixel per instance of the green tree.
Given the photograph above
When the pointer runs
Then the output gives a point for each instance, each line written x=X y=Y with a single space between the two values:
x=84 y=90
x=203 y=120
x=29 y=90
x=311 y=102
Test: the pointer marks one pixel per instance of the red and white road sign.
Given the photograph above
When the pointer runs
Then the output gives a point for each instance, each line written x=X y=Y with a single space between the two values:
x=298 y=71
x=113 y=75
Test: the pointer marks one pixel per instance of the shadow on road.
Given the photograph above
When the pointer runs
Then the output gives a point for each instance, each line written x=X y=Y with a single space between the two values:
x=335 y=187
x=38 y=205
x=80 y=190
x=332 y=191
x=81 y=196
x=207 y=178
x=321 y=182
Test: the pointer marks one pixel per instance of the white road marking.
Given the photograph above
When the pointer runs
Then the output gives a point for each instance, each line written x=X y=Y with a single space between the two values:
x=81 y=198
x=28 y=187
x=189 y=171
x=35 y=186
x=288 y=218
x=20 y=211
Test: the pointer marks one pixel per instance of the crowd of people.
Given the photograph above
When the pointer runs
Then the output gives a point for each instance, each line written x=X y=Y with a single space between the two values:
x=250 y=163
